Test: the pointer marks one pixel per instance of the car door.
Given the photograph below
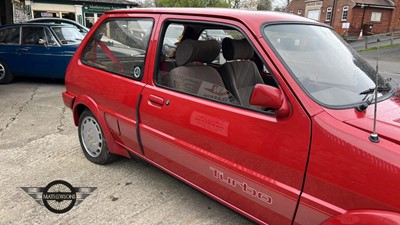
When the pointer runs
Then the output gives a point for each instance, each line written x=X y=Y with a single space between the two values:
x=35 y=58
x=249 y=159
x=115 y=58
x=9 y=45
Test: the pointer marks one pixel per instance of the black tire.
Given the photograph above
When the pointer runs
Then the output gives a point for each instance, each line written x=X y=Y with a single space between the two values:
x=92 y=139
x=5 y=74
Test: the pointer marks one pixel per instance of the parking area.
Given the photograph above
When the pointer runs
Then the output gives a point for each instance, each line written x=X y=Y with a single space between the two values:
x=39 y=144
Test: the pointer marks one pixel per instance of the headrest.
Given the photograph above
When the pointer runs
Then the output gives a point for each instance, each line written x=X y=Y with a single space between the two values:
x=191 y=51
x=236 y=49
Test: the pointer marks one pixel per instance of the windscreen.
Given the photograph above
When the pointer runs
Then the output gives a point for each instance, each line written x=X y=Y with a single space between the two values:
x=329 y=71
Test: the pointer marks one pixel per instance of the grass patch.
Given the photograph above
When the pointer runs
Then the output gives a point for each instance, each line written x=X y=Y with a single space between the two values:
x=380 y=47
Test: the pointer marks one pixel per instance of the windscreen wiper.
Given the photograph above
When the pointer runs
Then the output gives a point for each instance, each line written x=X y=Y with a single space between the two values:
x=368 y=100
x=371 y=90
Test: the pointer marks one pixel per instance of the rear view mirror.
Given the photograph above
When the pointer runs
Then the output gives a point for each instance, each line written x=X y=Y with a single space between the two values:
x=270 y=97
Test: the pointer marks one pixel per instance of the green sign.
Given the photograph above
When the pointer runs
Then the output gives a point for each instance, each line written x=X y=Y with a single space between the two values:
x=102 y=8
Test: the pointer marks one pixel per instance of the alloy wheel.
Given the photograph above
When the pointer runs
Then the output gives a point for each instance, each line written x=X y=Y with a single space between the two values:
x=92 y=137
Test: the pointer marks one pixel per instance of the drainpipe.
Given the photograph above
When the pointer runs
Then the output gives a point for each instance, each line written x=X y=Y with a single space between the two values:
x=362 y=20
x=333 y=14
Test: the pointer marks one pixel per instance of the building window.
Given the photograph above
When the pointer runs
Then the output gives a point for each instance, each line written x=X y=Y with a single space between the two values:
x=328 y=14
x=299 y=12
x=376 y=16
x=344 y=13
x=313 y=14
x=291 y=12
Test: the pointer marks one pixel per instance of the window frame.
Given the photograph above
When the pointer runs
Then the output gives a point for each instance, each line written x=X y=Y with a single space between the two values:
x=299 y=12
x=92 y=40
x=345 y=13
x=48 y=31
x=328 y=16
x=22 y=33
x=376 y=13
x=162 y=33
x=311 y=12
x=8 y=33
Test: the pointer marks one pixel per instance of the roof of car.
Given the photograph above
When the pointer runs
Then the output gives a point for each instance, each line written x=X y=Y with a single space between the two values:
x=237 y=14
x=37 y=24
x=252 y=19
x=55 y=19
x=50 y=18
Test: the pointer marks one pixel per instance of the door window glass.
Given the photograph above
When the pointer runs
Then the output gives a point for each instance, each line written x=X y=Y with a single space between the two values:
x=50 y=39
x=213 y=62
x=68 y=35
x=9 y=35
x=120 y=46
x=32 y=35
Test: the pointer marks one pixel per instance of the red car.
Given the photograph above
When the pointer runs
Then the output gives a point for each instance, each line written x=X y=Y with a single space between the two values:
x=276 y=121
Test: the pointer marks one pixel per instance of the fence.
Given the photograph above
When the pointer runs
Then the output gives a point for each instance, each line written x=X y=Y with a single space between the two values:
x=384 y=39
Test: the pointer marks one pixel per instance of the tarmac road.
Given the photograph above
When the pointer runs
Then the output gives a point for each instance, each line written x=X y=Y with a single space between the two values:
x=389 y=61
x=39 y=144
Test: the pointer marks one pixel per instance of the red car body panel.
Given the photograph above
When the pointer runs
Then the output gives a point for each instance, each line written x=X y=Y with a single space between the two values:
x=313 y=166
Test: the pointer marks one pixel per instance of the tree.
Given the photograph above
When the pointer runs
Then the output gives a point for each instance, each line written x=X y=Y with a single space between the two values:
x=264 y=5
x=279 y=9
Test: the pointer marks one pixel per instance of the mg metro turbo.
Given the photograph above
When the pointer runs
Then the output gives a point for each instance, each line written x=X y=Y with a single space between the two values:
x=281 y=120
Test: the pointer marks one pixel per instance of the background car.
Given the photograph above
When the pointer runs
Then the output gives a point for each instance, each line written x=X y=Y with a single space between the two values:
x=36 y=50
x=84 y=30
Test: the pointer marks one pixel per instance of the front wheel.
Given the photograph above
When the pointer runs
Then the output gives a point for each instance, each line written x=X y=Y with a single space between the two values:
x=93 y=142
x=5 y=74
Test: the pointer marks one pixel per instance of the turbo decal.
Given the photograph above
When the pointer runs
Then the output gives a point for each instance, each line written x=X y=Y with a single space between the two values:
x=243 y=186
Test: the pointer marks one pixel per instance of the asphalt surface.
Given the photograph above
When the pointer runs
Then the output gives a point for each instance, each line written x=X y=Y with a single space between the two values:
x=388 y=63
x=39 y=144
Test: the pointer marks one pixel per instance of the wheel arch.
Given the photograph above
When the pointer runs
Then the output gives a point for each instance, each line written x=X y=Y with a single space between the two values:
x=360 y=217
x=86 y=103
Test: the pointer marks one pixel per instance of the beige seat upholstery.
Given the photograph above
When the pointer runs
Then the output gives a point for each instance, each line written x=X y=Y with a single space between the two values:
x=239 y=73
x=193 y=75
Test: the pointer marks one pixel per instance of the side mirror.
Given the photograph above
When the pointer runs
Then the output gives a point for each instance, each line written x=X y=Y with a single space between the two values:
x=42 y=42
x=270 y=97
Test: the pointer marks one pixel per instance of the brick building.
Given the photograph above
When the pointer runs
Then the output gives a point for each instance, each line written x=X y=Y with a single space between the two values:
x=348 y=17
x=85 y=12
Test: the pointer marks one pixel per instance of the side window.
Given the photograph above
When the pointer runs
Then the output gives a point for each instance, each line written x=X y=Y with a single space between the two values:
x=172 y=37
x=344 y=13
x=376 y=16
x=217 y=63
x=119 y=46
x=31 y=35
x=50 y=39
x=328 y=14
x=9 y=36
x=219 y=35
